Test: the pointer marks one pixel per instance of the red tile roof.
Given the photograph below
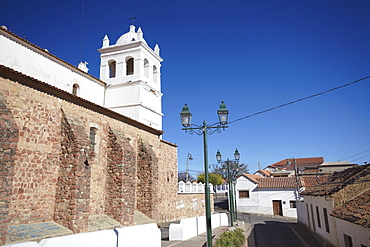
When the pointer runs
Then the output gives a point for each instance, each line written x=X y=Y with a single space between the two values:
x=299 y=162
x=277 y=182
x=338 y=180
x=309 y=181
x=356 y=211
x=267 y=173
x=251 y=177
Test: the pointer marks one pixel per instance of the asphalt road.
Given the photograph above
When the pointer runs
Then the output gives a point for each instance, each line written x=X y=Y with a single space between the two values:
x=274 y=231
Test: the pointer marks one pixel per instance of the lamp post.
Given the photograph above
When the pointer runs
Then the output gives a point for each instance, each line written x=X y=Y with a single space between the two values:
x=230 y=182
x=205 y=130
x=189 y=157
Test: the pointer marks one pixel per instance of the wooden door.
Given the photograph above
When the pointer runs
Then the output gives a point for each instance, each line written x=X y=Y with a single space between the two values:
x=277 y=207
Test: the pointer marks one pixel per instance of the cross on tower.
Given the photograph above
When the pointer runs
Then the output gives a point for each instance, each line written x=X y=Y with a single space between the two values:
x=132 y=19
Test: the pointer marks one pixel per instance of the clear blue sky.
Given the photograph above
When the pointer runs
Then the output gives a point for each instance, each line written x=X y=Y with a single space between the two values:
x=254 y=55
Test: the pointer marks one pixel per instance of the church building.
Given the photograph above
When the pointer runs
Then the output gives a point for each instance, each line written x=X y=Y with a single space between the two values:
x=79 y=153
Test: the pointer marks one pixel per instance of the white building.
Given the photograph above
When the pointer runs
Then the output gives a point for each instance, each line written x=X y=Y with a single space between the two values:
x=129 y=81
x=338 y=209
x=132 y=71
x=266 y=195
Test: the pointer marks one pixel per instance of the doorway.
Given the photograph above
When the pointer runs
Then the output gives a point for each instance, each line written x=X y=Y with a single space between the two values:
x=277 y=207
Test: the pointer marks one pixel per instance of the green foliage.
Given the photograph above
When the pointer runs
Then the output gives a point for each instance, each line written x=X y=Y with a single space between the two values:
x=213 y=178
x=236 y=169
x=235 y=238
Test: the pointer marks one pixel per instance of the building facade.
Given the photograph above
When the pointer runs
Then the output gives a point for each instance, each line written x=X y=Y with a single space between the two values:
x=67 y=159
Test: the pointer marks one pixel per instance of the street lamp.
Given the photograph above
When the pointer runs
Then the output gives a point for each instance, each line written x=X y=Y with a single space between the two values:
x=230 y=182
x=205 y=130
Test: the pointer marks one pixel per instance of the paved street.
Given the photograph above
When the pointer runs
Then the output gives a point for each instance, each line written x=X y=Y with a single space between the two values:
x=273 y=231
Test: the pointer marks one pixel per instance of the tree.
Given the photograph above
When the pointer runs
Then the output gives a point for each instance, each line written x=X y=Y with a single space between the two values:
x=236 y=169
x=182 y=177
x=213 y=178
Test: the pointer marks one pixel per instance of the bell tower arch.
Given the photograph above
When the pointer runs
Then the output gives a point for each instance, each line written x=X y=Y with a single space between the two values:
x=131 y=70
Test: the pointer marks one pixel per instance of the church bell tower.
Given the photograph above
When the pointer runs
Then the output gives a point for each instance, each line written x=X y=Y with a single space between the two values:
x=131 y=70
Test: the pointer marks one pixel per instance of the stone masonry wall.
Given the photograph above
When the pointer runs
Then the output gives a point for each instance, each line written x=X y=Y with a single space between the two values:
x=8 y=146
x=147 y=180
x=73 y=186
x=49 y=171
x=120 y=185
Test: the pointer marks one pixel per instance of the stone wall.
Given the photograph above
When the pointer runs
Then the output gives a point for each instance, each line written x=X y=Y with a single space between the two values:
x=8 y=145
x=51 y=171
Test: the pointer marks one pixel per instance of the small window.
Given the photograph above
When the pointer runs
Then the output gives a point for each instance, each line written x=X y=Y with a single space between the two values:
x=318 y=216
x=243 y=193
x=347 y=241
x=326 y=220
x=293 y=204
x=130 y=66
x=112 y=69
x=93 y=138
x=75 y=89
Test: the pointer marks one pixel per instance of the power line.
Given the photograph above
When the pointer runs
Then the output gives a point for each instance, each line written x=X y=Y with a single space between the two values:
x=301 y=99
x=355 y=154
x=361 y=157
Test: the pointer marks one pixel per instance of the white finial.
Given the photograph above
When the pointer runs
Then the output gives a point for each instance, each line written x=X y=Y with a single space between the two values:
x=105 y=41
x=156 y=49
x=139 y=34
x=83 y=66
x=132 y=29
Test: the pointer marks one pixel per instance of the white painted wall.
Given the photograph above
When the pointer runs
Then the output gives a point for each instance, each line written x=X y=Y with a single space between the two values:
x=138 y=95
x=260 y=200
x=312 y=222
x=360 y=235
x=30 y=61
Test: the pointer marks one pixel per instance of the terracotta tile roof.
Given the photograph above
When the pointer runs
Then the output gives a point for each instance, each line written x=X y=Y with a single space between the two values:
x=299 y=162
x=251 y=177
x=309 y=181
x=277 y=182
x=267 y=173
x=338 y=180
x=356 y=211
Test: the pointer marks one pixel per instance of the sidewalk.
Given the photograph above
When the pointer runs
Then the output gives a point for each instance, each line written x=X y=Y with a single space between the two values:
x=197 y=241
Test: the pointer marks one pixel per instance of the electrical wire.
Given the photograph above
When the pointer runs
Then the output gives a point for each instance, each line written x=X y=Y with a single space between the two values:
x=301 y=99
x=355 y=154
x=361 y=157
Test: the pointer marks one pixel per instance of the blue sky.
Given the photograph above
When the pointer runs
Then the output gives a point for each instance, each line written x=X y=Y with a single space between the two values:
x=254 y=55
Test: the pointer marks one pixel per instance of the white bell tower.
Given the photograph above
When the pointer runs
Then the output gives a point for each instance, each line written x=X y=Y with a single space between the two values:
x=131 y=70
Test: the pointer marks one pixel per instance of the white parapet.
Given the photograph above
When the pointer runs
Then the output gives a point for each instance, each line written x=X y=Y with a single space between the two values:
x=139 y=236
x=106 y=238
x=183 y=231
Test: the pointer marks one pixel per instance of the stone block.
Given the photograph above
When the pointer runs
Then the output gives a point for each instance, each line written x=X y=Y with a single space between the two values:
x=183 y=231
x=140 y=235
x=106 y=238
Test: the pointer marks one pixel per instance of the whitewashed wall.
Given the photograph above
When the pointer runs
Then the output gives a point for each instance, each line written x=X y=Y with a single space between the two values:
x=312 y=222
x=30 y=61
x=260 y=200
x=360 y=235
